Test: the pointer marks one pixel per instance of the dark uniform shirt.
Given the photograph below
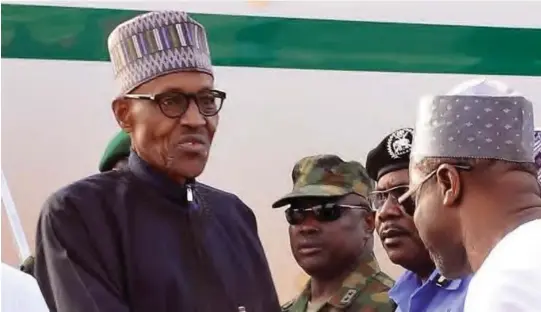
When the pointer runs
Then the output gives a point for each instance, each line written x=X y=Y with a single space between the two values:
x=364 y=290
x=130 y=240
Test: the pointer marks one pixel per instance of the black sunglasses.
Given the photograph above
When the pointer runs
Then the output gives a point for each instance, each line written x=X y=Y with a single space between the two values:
x=379 y=198
x=174 y=104
x=322 y=213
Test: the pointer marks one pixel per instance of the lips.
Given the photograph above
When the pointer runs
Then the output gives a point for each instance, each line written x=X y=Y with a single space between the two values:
x=391 y=232
x=307 y=249
x=392 y=236
x=193 y=144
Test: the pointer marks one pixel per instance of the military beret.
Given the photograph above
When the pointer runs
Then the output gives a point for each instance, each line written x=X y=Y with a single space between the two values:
x=391 y=154
x=118 y=148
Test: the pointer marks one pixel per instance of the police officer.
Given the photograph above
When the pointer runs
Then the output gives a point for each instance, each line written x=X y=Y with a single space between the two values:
x=421 y=288
x=331 y=236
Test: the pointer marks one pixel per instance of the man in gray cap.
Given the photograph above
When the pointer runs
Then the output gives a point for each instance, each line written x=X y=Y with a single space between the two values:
x=478 y=204
x=149 y=237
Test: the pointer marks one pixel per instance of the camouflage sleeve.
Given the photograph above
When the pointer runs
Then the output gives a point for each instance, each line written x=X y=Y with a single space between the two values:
x=375 y=298
x=287 y=306
x=381 y=303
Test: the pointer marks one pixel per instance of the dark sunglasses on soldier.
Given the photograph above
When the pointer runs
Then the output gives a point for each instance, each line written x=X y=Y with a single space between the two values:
x=174 y=104
x=322 y=213
x=379 y=198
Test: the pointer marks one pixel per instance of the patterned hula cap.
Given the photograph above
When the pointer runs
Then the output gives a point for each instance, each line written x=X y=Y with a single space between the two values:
x=477 y=119
x=326 y=176
x=155 y=44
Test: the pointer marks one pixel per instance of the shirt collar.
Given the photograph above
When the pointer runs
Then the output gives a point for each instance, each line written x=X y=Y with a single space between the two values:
x=355 y=282
x=440 y=281
x=408 y=282
x=159 y=180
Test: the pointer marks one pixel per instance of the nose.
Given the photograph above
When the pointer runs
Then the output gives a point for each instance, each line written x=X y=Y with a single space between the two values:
x=309 y=225
x=192 y=117
x=389 y=210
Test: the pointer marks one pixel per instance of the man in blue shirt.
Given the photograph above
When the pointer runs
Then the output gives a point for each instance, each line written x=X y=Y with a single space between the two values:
x=421 y=288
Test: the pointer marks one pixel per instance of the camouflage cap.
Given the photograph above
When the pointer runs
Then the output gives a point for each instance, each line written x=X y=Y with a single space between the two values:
x=327 y=176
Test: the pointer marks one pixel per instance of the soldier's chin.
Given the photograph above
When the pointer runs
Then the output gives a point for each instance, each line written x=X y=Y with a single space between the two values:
x=312 y=266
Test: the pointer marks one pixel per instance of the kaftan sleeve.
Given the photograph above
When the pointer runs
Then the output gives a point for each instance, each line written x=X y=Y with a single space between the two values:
x=77 y=267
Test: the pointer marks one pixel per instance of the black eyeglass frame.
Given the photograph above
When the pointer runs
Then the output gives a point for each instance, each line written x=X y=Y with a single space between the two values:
x=157 y=98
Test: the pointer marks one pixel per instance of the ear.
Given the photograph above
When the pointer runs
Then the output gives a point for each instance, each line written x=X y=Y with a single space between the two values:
x=123 y=116
x=448 y=181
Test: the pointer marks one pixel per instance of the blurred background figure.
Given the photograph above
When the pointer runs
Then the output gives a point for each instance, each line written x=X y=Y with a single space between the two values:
x=116 y=153
x=20 y=292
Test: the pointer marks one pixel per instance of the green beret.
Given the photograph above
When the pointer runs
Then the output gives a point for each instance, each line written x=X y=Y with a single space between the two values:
x=118 y=148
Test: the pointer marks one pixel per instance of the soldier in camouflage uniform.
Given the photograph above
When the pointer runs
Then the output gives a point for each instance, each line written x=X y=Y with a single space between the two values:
x=331 y=235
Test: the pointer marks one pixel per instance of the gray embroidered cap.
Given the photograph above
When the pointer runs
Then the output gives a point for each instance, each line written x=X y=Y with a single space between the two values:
x=157 y=43
x=477 y=119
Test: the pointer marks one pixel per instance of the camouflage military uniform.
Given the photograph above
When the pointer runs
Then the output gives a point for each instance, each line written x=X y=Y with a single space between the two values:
x=364 y=290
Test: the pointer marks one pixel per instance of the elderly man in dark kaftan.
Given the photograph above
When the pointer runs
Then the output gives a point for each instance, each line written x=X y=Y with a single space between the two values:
x=149 y=237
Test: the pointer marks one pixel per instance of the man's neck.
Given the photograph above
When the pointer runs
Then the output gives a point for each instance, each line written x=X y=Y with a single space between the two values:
x=482 y=239
x=160 y=165
x=324 y=287
x=424 y=272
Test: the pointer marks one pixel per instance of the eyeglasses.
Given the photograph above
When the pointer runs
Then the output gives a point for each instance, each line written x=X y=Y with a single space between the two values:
x=415 y=189
x=174 y=104
x=322 y=213
x=379 y=198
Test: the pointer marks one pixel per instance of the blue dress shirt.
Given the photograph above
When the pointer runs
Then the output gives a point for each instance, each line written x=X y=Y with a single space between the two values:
x=437 y=294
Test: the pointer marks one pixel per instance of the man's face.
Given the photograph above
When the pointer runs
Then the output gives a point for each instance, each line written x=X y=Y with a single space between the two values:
x=177 y=146
x=395 y=227
x=439 y=225
x=321 y=247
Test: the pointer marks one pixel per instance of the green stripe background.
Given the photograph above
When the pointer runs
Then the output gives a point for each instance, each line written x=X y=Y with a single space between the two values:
x=62 y=33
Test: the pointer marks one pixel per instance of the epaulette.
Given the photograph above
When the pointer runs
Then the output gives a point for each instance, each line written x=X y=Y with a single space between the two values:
x=288 y=305
x=441 y=281
x=384 y=279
